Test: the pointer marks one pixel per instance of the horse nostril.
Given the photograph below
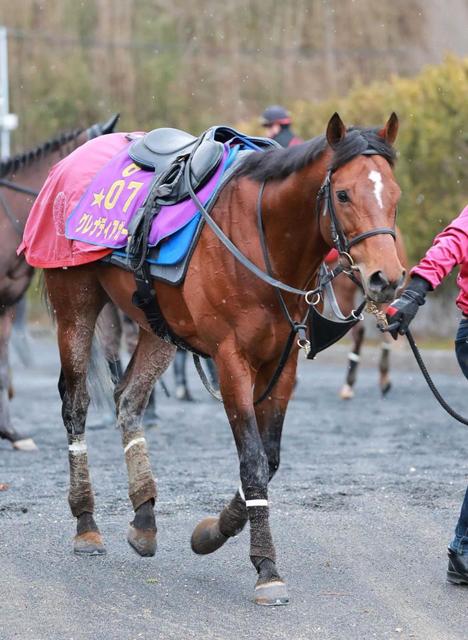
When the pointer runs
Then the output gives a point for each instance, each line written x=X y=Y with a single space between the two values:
x=378 y=281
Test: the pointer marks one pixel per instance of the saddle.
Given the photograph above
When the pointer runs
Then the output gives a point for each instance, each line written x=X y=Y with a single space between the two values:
x=166 y=150
x=183 y=164
x=161 y=149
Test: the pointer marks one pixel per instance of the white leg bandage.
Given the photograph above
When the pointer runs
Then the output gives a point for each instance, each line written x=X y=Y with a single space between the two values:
x=132 y=443
x=78 y=448
x=252 y=503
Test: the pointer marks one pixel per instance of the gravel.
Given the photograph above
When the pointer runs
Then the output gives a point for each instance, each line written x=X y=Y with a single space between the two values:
x=363 y=507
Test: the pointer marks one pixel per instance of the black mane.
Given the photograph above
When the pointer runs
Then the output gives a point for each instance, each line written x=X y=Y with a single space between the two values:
x=277 y=164
x=10 y=165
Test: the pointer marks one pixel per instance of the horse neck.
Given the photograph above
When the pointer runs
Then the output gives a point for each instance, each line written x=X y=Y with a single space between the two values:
x=34 y=174
x=291 y=224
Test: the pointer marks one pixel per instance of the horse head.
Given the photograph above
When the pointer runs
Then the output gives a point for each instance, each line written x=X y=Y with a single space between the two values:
x=361 y=197
x=103 y=128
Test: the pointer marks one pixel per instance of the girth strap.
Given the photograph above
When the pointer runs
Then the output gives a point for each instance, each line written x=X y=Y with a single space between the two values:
x=145 y=299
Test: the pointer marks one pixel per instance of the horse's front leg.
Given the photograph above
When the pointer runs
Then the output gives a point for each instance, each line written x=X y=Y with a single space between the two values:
x=149 y=361
x=270 y=414
x=354 y=356
x=384 y=365
x=213 y=532
x=236 y=381
x=7 y=431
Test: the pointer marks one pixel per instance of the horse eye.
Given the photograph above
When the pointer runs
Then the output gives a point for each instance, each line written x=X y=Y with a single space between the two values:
x=342 y=196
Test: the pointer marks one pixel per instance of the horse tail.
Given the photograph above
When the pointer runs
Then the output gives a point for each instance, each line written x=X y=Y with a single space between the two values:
x=44 y=295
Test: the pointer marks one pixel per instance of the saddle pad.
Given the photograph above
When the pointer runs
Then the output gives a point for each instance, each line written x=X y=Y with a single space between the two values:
x=174 y=246
x=103 y=215
x=169 y=262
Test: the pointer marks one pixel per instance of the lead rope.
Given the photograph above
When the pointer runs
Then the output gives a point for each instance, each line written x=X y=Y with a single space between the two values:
x=430 y=382
x=382 y=324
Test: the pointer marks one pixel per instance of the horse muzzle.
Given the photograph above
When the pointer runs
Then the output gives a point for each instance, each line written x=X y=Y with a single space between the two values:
x=380 y=289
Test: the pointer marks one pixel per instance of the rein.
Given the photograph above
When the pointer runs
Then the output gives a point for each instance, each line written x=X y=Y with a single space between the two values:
x=312 y=296
x=231 y=247
x=15 y=223
x=16 y=187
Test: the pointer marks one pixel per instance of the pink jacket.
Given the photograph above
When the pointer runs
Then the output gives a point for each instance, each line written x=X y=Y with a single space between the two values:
x=449 y=248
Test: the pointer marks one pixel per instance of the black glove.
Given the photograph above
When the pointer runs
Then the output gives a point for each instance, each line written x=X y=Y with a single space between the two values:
x=402 y=310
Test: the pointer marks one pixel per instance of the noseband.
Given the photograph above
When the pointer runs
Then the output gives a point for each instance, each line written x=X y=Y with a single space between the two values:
x=339 y=239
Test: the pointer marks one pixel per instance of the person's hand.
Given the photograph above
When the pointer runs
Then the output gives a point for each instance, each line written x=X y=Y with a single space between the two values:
x=402 y=310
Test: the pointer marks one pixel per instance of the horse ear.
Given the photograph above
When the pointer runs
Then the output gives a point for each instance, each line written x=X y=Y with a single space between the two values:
x=390 y=130
x=336 y=130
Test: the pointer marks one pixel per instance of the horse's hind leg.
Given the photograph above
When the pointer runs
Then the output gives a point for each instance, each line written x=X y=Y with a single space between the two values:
x=384 y=365
x=354 y=356
x=150 y=359
x=77 y=300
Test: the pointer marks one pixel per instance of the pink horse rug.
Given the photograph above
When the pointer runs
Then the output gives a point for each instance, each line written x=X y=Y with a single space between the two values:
x=88 y=200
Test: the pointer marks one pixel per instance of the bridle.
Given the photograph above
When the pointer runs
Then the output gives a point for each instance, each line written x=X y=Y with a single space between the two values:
x=341 y=243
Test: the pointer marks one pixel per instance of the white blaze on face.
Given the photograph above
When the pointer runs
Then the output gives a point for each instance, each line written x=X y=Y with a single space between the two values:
x=378 y=186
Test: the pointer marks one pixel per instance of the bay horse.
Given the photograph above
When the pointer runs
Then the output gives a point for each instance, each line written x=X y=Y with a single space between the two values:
x=227 y=312
x=21 y=177
x=346 y=291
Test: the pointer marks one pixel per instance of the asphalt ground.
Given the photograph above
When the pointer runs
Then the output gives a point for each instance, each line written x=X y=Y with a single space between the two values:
x=362 y=509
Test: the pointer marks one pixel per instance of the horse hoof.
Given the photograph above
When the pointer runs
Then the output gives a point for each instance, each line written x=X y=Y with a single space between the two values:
x=271 y=594
x=207 y=537
x=182 y=393
x=25 y=444
x=346 y=392
x=89 y=543
x=143 y=541
x=386 y=388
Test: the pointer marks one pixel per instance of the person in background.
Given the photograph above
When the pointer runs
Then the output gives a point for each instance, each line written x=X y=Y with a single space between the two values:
x=449 y=249
x=182 y=391
x=277 y=124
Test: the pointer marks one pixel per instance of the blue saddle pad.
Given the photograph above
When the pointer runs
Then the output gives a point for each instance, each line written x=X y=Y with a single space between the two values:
x=174 y=248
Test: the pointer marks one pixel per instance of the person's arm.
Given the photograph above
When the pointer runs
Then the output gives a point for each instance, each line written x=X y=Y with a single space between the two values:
x=448 y=249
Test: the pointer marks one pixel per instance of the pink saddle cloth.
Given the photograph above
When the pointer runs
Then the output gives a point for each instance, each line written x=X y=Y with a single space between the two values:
x=86 y=205
x=44 y=242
